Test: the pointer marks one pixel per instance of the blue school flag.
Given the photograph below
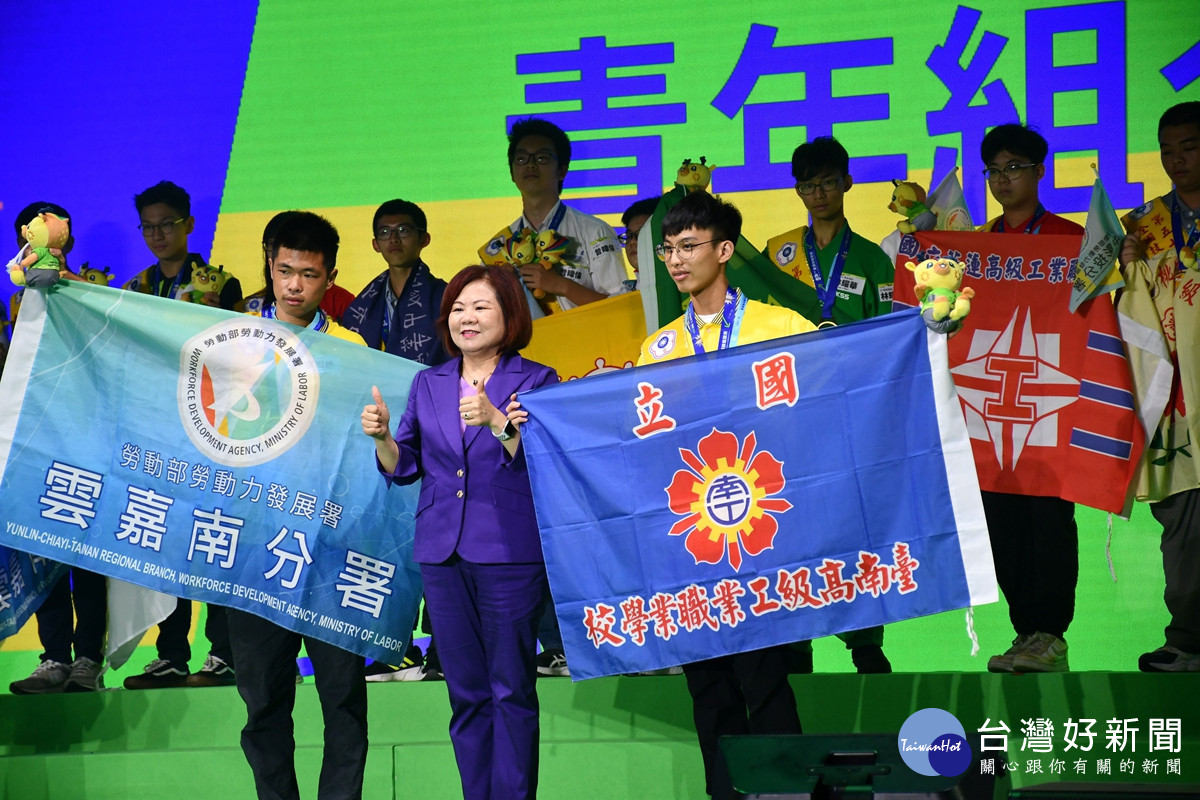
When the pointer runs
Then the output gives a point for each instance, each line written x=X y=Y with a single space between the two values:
x=751 y=497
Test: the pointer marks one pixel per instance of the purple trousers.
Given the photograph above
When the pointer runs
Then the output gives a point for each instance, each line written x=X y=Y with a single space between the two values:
x=485 y=619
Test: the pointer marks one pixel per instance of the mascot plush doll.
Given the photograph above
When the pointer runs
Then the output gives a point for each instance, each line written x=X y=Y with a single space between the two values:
x=943 y=304
x=37 y=264
x=100 y=277
x=550 y=251
x=908 y=200
x=694 y=177
x=205 y=278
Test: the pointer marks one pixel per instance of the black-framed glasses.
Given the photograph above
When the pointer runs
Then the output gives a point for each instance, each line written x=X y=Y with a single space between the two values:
x=827 y=185
x=521 y=158
x=685 y=250
x=166 y=227
x=1010 y=171
x=385 y=232
x=628 y=237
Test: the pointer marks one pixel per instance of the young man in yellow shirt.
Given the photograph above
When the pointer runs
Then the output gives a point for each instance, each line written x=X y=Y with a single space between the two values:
x=744 y=693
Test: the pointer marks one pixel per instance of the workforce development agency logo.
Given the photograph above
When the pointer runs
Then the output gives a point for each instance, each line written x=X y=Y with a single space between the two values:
x=247 y=391
x=724 y=496
x=933 y=742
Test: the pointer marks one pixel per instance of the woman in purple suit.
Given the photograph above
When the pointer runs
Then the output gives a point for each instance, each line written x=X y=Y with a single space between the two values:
x=476 y=536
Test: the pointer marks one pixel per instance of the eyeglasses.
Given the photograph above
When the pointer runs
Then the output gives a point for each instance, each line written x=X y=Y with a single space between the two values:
x=522 y=158
x=684 y=250
x=383 y=233
x=166 y=227
x=629 y=237
x=827 y=185
x=1011 y=172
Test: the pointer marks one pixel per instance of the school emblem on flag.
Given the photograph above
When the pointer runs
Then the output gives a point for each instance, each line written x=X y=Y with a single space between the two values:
x=724 y=496
x=1012 y=389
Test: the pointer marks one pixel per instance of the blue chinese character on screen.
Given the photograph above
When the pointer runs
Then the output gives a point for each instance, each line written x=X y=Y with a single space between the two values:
x=959 y=115
x=593 y=90
x=818 y=112
x=1098 y=83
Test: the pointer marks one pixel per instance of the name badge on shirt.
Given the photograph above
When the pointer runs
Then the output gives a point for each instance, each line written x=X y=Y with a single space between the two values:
x=852 y=284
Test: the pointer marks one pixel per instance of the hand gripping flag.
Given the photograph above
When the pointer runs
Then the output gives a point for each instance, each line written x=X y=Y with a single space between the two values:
x=1047 y=394
x=208 y=455
x=755 y=496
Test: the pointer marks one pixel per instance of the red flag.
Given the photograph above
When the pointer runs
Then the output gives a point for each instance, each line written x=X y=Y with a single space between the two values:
x=1047 y=394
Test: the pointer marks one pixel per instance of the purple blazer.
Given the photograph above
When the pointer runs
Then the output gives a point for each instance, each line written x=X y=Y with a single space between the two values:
x=475 y=500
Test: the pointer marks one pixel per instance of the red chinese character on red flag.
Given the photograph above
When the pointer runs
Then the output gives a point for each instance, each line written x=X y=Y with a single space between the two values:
x=872 y=577
x=795 y=589
x=903 y=568
x=836 y=588
x=662 y=612
x=695 y=610
x=763 y=604
x=775 y=381
x=650 y=412
x=725 y=601
x=599 y=622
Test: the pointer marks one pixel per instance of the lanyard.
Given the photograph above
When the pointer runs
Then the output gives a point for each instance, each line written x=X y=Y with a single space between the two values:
x=1177 y=229
x=158 y=280
x=731 y=321
x=826 y=289
x=554 y=223
x=1035 y=222
x=319 y=323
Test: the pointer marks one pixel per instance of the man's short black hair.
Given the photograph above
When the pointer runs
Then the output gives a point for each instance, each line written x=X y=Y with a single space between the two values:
x=643 y=207
x=308 y=233
x=1182 y=114
x=535 y=126
x=395 y=207
x=812 y=158
x=704 y=212
x=26 y=214
x=167 y=193
x=1018 y=139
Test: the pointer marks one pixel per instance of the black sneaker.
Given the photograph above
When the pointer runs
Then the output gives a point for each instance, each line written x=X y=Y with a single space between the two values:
x=48 y=678
x=159 y=674
x=870 y=660
x=432 y=671
x=1169 y=659
x=412 y=668
x=215 y=672
x=553 y=664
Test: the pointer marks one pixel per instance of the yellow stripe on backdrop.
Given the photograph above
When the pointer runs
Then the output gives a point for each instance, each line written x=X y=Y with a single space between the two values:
x=459 y=227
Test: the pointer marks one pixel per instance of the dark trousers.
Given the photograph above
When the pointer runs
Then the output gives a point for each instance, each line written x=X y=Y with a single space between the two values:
x=173 y=643
x=485 y=619
x=746 y=693
x=1179 y=515
x=1035 y=545
x=74 y=613
x=266 y=680
x=867 y=637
